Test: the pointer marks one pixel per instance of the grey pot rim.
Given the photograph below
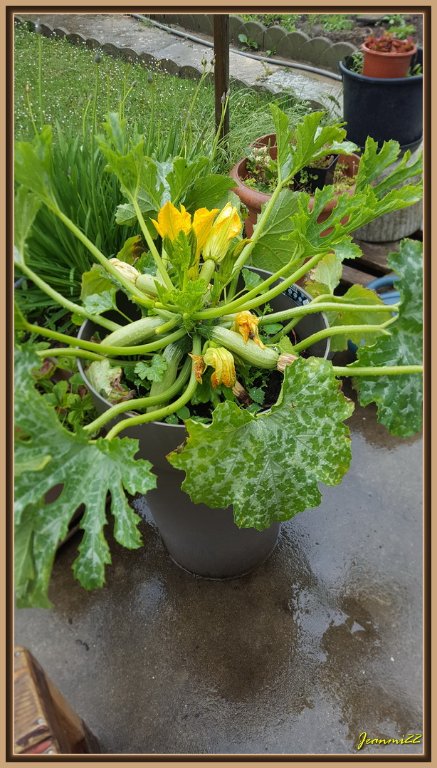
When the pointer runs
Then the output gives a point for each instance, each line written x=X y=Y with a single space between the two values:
x=130 y=414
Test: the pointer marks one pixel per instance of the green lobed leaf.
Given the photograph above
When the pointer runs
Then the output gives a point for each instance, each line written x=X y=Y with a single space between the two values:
x=101 y=302
x=153 y=371
x=87 y=472
x=325 y=277
x=272 y=251
x=398 y=398
x=268 y=466
x=210 y=191
x=33 y=165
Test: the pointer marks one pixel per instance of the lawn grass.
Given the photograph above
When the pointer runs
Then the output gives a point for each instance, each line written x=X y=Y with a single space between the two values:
x=72 y=81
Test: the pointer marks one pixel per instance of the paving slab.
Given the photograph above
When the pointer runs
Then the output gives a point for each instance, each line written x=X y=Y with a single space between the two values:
x=319 y=644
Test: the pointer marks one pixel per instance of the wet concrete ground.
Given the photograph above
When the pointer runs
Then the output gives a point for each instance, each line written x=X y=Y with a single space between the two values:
x=319 y=644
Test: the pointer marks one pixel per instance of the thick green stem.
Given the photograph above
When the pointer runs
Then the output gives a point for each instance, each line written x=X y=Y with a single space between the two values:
x=338 y=331
x=234 y=306
x=308 y=309
x=153 y=249
x=68 y=352
x=141 y=402
x=108 y=351
x=70 y=305
x=139 y=297
x=162 y=413
x=389 y=370
x=207 y=271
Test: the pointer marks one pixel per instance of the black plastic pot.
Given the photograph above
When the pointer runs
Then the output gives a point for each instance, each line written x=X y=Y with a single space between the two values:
x=315 y=178
x=201 y=540
x=383 y=108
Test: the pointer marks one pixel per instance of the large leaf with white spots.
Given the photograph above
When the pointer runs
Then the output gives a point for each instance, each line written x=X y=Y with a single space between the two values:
x=87 y=471
x=268 y=466
x=398 y=398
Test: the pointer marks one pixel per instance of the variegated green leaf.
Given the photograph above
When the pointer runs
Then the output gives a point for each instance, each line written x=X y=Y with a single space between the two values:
x=88 y=471
x=268 y=466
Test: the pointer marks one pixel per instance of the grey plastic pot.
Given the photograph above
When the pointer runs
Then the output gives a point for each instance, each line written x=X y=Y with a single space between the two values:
x=203 y=541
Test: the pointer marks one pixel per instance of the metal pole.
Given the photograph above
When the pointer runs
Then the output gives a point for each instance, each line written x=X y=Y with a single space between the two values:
x=221 y=69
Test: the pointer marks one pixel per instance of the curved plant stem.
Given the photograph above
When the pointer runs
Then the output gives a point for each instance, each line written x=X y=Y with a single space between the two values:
x=389 y=370
x=153 y=249
x=338 y=331
x=308 y=309
x=162 y=413
x=69 y=352
x=130 y=288
x=141 y=402
x=70 y=305
x=108 y=351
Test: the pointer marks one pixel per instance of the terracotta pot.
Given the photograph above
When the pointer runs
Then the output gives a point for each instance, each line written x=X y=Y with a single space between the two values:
x=253 y=199
x=382 y=64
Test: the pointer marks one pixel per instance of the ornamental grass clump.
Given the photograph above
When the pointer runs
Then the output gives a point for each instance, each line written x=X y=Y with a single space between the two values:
x=183 y=331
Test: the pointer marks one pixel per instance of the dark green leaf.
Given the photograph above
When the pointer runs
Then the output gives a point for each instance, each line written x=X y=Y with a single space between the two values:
x=26 y=206
x=273 y=250
x=211 y=191
x=87 y=471
x=153 y=371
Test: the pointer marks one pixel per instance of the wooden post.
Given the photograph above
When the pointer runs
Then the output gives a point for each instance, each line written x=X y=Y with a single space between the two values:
x=221 y=69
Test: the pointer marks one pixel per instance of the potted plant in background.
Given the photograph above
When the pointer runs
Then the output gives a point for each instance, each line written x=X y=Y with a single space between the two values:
x=387 y=56
x=199 y=352
x=333 y=162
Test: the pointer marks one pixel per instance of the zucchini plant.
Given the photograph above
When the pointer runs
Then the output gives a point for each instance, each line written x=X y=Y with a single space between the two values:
x=184 y=332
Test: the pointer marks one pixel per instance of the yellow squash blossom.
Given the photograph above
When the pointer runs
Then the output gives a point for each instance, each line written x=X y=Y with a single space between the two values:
x=171 y=221
x=247 y=325
x=202 y=223
x=226 y=226
x=222 y=361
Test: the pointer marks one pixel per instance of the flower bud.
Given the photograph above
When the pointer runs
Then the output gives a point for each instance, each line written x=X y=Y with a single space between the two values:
x=126 y=270
x=284 y=360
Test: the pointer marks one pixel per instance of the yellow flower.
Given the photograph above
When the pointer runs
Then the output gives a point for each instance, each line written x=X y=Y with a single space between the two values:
x=247 y=325
x=222 y=361
x=202 y=223
x=226 y=226
x=171 y=221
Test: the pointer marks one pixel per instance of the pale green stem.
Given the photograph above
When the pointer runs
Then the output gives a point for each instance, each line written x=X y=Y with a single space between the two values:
x=108 y=351
x=101 y=258
x=175 y=320
x=153 y=249
x=390 y=370
x=141 y=402
x=207 y=271
x=162 y=413
x=338 y=331
x=229 y=307
x=308 y=309
x=243 y=304
x=69 y=352
x=70 y=305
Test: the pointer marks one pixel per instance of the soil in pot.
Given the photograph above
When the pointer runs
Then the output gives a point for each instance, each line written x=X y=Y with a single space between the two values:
x=387 y=57
x=201 y=540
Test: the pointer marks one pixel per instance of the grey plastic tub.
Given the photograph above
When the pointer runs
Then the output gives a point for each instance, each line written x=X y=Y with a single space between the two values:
x=201 y=540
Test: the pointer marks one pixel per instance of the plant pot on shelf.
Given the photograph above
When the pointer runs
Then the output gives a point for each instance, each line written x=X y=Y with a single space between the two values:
x=386 y=64
x=383 y=108
x=253 y=199
x=201 y=540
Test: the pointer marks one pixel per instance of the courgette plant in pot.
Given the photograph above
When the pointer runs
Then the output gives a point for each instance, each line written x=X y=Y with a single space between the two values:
x=208 y=349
